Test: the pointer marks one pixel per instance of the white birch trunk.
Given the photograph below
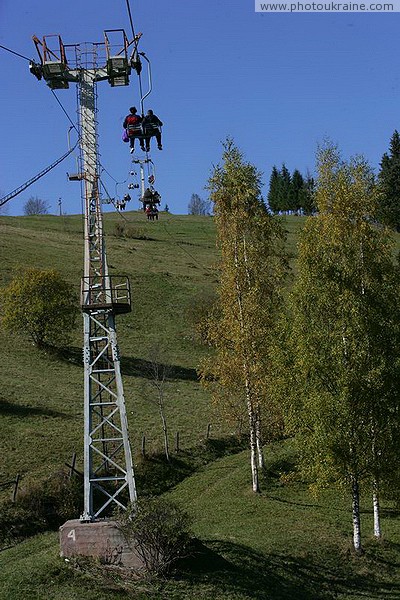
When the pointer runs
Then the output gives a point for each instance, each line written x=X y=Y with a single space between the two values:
x=377 y=515
x=260 y=452
x=356 y=515
x=249 y=402
x=253 y=444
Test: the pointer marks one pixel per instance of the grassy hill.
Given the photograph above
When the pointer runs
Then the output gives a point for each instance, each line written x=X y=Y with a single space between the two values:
x=279 y=545
x=283 y=544
x=169 y=262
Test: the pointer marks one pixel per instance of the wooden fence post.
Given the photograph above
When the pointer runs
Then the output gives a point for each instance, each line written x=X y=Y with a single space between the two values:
x=72 y=467
x=208 y=431
x=14 y=496
x=177 y=442
x=144 y=446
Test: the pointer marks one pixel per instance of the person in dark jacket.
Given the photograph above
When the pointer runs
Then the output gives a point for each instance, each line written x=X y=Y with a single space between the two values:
x=151 y=196
x=151 y=125
x=133 y=126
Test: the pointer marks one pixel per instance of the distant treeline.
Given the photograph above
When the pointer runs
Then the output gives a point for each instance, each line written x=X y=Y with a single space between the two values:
x=290 y=193
x=294 y=193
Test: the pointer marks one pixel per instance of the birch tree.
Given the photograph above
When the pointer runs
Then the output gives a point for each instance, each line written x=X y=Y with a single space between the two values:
x=344 y=337
x=252 y=268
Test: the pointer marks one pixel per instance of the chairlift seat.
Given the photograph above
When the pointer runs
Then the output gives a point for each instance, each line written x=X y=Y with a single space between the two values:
x=135 y=131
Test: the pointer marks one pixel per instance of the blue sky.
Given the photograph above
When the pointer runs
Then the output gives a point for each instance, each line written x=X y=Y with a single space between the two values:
x=277 y=83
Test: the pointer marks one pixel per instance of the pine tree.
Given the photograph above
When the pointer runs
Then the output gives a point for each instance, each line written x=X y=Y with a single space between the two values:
x=252 y=267
x=389 y=179
x=285 y=189
x=274 y=191
x=297 y=187
x=343 y=344
x=307 y=195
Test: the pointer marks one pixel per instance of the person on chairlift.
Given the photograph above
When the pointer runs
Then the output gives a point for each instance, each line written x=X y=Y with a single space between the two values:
x=151 y=196
x=151 y=125
x=133 y=125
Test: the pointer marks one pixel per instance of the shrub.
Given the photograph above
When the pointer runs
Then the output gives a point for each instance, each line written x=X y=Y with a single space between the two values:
x=41 y=304
x=158 y=530
x=40 y=506
x=119 y=230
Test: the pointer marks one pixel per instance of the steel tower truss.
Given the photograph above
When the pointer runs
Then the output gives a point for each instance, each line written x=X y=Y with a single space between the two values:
x=108 y=470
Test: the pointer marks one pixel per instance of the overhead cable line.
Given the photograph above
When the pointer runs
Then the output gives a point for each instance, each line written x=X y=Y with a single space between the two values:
x=131 y=21
x=135 y=41
x=28 y=183
x=64 y=111
x=112 y=201
x=25 y=185
x=113 y=178
x=30 y=60
x=16 y=53
x=179 y=244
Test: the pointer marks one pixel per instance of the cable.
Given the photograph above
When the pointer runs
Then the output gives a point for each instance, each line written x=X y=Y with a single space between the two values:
x=25 y=185
x=16 y=53
x=113 y=178
x=184 y=249
x=65 y=112
x=52 y=91
x=131 y=21
x=111 y=201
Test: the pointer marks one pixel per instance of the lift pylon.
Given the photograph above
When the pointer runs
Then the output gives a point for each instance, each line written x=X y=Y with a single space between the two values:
x=108 y=468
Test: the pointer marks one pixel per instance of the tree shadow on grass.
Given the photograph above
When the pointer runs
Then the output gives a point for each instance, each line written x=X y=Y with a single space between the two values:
x=237 y=570
x=18 y=410
x=71 y=354
x=155 y=475
x=130 y=366
x=139 y=367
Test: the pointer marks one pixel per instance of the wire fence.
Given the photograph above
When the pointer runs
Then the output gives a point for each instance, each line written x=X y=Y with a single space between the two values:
x=148 y=446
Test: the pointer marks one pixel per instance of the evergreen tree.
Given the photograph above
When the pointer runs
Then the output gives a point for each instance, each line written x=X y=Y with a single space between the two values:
x=296 y=191
x=307 y=195
x=252 y=268
x=340 y=370
x=285 y=189
x=273 y=198
x=389 y=179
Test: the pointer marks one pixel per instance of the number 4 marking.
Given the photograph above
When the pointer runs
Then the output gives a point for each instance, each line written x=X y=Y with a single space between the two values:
x=71 y=535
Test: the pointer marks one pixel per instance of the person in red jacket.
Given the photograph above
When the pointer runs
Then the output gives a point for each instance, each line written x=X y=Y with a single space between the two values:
x=132 y=124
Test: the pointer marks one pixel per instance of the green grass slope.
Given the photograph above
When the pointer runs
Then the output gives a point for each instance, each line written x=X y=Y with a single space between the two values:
x=280 y=545
x=283 y=543
x=169 y=262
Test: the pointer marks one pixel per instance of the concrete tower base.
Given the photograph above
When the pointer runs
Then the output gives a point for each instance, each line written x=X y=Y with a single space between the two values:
x=102 y=540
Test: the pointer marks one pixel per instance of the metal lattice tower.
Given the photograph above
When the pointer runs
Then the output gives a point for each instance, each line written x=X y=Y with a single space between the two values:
x=108 y=469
